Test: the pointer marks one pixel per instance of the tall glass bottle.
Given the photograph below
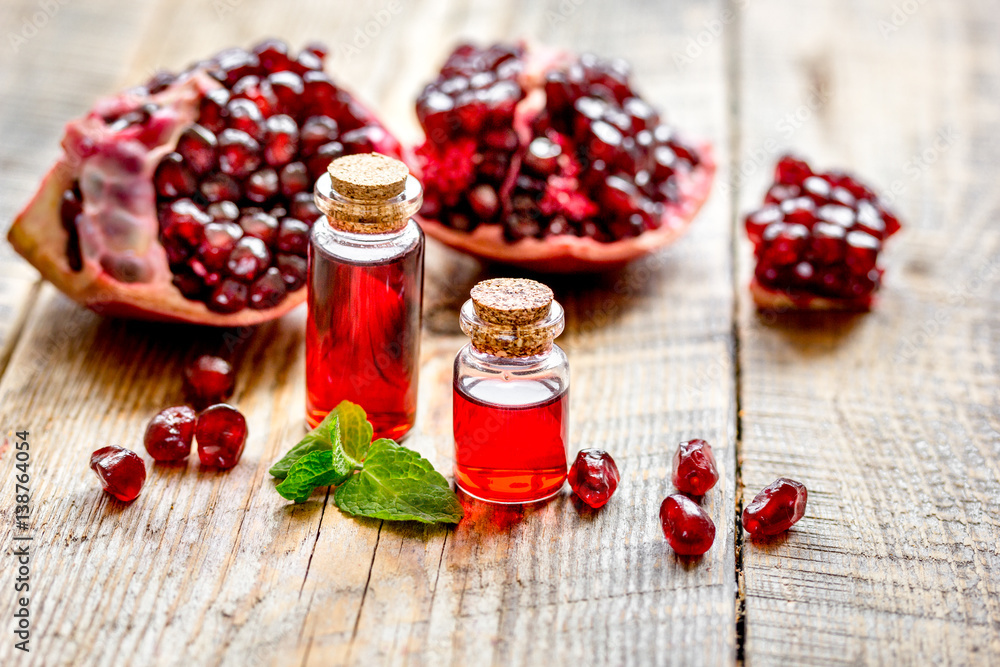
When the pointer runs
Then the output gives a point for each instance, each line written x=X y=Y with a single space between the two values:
x=511 y=394
x=365 y=287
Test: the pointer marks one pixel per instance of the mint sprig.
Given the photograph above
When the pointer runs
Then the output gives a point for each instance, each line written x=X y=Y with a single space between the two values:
x=378 y=479
x=400 y=485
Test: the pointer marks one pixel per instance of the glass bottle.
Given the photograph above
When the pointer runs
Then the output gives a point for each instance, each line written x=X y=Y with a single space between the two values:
x=365 y=291
x=511 y=394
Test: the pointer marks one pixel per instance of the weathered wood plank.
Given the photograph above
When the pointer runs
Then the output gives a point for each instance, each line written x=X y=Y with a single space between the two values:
x=891 y=419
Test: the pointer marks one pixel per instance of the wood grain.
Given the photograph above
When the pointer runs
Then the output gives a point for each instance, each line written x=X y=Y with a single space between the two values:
x=890 y=419
x=215 y=568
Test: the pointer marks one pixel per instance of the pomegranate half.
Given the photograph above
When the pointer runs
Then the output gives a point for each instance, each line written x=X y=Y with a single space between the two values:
x=189 y=198
x=551 y=161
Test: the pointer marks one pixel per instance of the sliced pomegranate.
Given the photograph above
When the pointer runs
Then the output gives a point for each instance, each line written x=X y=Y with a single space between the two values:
x=776 y=508
x=594 y=477
x=817 y=239
x=688 y=528
x=142 y=215
x=221 y=433
x=170 y=433
x=552 y=161
x=121 y=471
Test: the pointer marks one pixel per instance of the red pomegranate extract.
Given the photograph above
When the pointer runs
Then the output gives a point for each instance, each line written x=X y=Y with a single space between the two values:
x=509 y=453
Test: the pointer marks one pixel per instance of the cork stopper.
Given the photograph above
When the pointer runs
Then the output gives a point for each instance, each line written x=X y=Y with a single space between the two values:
x=508 y=317
x=368 y=193
x=513 y=301
x=368 y=176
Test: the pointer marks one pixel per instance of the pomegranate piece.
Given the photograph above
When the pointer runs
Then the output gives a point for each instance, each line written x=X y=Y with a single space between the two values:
x=694 y=467
x=776 y=508
x=688 y=528
x=555 y=150
x=121 y=222
x=169 y=434
x=121 y=471
x=209 y=380
x=221 y=433
x=594 y=477
x=817 y=240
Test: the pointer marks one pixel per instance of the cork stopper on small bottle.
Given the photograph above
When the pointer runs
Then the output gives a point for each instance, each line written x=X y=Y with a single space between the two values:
x=368 y=193
x=512 y=317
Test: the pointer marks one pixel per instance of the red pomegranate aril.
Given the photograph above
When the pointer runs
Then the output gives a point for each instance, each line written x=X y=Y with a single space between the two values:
x=170 y=433
x=236 y=63
x=229 y=296
x=224 y=211
x=870 y=220
x=259 y=92
x=695 y=471
x=221 y=434
x=817 y=188
x=828 y=243
x=293 y=237
x=779 y=193
x=363 y=139
x=248 y=259
x=184 y=222
x=842 y=216
x=862 y=252
x=209 y=379
x=776 y=508
x=293 y=271
x=199 y=148
x=273 y=55
x=791 y=171
x=281 y=140
x=287 y=88
x=173 y=178
x=220 y=239
x=799 y=210
x=688 y=528
x=303 y=207
x=294 y=178
x=268 y=290
x=594 y=477
x=759 y=220
x=315 y=132
x=322 y=158
x=245 y=116
x=121 y=472
x=783 y=243
x=239 y=153
x=212 y=110
x=262 y=186
x=260 y=225
x=220 y=187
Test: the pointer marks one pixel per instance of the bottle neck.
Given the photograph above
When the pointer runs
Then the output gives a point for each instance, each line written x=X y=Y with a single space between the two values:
x=508 y=342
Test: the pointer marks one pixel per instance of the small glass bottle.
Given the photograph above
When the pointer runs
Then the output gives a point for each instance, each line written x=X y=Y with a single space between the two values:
x=511 y=394
x=365 y=287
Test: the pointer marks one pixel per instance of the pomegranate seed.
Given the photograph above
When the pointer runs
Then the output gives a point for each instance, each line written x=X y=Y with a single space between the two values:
x=213 y=113
x=229 y=297
x=220 y=239
x=122 y=472
x=262 y=186
x=260 y=225
x=281 y=141
x=287 y=88
x=294 y=178
x=236 y=63
x=688 y=528
x=221 y=433
x=169 y=434
x=594 y=477
x=208 y=380
x=694 y=467
x=173 y=178
x=268 y=290
x=293 y=271
x=316 y=131
x=791 y=171
x=759 y=220
x=324 y=155
x=239 y=153
x=257 y=91
x=776 y=508
x=304 y=208
x=248 y=259
x=224 y=211
x=293 y=237
x=245 y=116
x=184 y=222
x=220 y=187
x=862 y=252
x=273 y=55
x=199 y=148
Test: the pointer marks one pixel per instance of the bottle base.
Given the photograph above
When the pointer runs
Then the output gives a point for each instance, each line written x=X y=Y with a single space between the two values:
x=510 y=487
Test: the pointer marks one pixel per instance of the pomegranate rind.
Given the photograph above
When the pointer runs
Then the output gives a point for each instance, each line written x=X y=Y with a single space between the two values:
x=770 y=299
x=574 y=254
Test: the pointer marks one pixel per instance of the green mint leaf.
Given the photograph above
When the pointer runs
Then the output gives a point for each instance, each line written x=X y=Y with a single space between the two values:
x=355 y=429
x=398 y=484
x=320 y=438
x=315 y=469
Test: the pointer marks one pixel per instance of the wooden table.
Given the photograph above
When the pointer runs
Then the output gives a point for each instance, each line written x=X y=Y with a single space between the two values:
x=892 y=418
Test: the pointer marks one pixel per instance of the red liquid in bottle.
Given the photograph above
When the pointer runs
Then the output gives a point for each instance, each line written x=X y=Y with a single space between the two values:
x=363 y=338
x=509 y=453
